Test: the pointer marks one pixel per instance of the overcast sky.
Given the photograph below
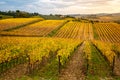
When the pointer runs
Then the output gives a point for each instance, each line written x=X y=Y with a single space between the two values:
x=62 y=6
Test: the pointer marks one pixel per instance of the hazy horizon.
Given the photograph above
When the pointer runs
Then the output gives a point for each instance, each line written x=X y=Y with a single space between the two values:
x=62 y=6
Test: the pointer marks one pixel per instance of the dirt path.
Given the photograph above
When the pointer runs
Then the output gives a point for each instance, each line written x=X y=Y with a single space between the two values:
x=117 y=67
x=14 y=73
x=75 y=69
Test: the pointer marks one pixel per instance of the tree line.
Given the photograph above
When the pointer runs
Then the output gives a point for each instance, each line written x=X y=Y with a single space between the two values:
x=18 y=14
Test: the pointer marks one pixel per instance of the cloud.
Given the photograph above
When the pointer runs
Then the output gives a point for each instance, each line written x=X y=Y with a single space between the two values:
x=2 y=2
x=63 y=6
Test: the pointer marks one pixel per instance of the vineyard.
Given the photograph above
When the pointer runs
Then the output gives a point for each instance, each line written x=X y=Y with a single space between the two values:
x=76 y=30
x=12 y=23
x=108 y=32
x=38 y=49
x=41 y=28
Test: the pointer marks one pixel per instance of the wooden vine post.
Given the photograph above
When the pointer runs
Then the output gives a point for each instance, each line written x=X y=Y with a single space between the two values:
x=59 y=63
x=87 y=65
x=113 y=65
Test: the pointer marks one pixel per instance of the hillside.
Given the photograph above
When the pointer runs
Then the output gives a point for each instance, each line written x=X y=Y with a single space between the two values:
x=36 y=49
x=99 y=17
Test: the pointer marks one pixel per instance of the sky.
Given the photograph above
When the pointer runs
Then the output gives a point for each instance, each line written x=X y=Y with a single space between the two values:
x=62 y=6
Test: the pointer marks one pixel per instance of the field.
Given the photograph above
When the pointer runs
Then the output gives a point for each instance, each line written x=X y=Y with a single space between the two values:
x=38 y=49
x=8 y=24
x=76 y=30
x=108 y=32
x=41 y=28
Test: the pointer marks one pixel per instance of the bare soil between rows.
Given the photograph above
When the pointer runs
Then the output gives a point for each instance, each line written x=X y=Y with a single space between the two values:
x=75 y=68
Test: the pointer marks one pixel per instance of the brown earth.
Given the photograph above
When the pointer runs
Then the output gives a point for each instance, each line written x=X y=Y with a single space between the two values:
x=15 y=72
x=75 y=68
x=117 y=66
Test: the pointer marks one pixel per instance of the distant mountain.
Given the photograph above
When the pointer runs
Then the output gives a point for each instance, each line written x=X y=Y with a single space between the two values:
x=99 y=17
x=116 y=14
x=99 y=14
